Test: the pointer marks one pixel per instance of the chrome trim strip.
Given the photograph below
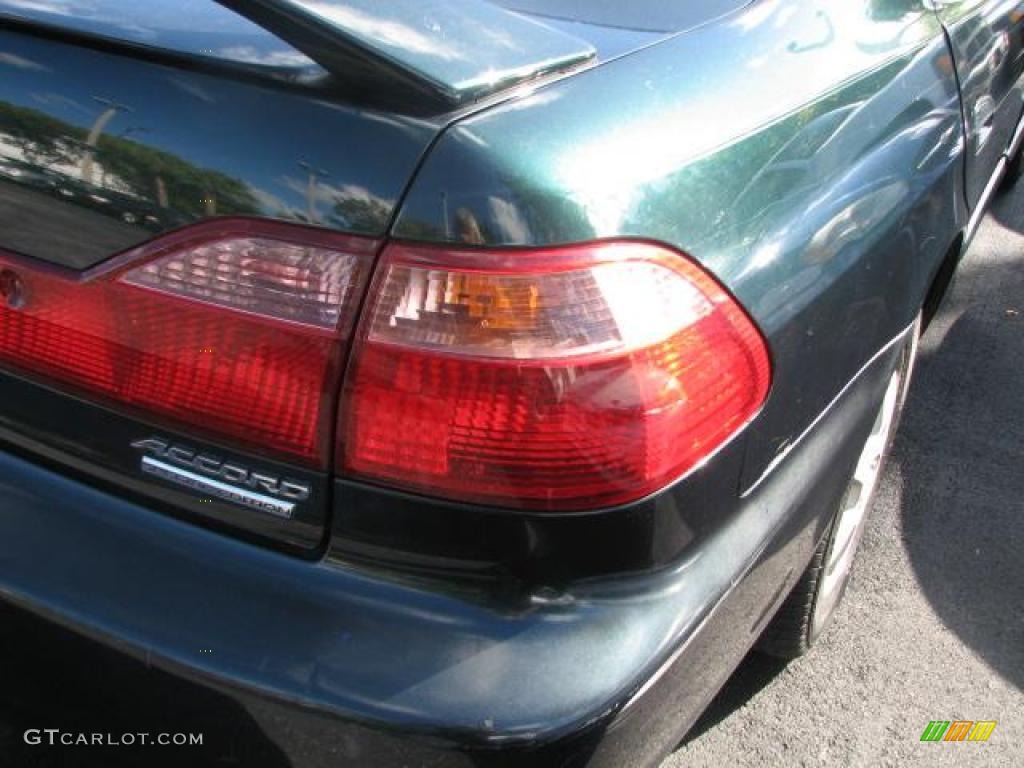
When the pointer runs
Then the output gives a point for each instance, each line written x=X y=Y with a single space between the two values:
x=1018 y=139
x=986 y=197
x=216 y=488
x=993 y=184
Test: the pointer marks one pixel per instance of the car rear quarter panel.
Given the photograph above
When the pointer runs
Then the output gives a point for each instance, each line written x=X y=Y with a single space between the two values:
x=808 y=153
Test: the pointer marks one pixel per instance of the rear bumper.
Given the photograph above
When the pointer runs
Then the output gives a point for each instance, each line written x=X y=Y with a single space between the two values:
x=395 y=674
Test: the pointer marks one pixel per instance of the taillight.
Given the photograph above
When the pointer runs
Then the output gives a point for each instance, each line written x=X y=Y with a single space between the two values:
x=560 y=379
x=235 y=329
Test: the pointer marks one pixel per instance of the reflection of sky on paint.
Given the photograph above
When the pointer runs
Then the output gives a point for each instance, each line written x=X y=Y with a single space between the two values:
x=800 y=54
x=428 y=40
x=181 y=114
x=191 y=26
x=20 y=62
x=462 y=44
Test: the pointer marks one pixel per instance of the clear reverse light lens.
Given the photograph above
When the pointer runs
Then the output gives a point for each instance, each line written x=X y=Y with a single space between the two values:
x=299 y=283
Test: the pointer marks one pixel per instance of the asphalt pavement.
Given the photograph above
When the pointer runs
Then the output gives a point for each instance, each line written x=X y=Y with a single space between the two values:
x=932 y=626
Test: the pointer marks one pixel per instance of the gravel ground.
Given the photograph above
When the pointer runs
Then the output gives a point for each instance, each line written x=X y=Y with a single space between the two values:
x=932 y=626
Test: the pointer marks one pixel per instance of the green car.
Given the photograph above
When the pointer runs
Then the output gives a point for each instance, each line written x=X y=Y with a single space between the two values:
x=466 y=382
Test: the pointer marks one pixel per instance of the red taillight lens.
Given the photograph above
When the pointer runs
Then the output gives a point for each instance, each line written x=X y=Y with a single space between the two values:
x=234 y=329
x=562 y=379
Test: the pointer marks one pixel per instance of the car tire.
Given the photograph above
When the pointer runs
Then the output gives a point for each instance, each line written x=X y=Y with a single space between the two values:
x=812 y=604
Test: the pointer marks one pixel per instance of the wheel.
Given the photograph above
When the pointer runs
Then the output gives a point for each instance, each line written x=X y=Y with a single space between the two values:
x=813 y=601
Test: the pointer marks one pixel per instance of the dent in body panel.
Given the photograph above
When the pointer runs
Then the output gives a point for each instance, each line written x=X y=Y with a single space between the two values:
x=807 y=153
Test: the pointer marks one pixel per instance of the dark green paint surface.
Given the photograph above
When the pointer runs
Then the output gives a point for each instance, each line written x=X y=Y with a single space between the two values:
x=808 y=153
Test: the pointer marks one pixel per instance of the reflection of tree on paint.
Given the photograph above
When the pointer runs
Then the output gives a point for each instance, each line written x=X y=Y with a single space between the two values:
x=892 y=10
x=187 y=187
x=149 y=174
x=361 y=213
x=41 y=138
